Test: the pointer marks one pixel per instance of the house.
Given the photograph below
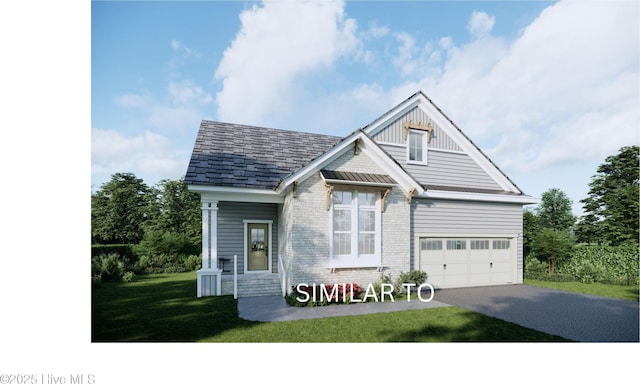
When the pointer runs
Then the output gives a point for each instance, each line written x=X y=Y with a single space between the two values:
x=408 y=191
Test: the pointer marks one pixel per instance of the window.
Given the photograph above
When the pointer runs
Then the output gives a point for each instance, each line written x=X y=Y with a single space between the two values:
x=479 y=244
x=501 y=244
x=430 y=245
x=456 y=244
x=355 y=228
x=417 y=147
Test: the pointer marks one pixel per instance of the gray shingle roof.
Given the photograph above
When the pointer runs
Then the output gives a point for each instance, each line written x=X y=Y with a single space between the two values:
x=234 y=155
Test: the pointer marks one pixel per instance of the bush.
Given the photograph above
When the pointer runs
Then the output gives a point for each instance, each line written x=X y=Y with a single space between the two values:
x=128 y=276
x=589 y=273
x=193 y=262
x=108 y=268
x=559 y=277
x=170 y=243
x=415 y=277
x=535 y=266
x=125 y=251
x=168 y=263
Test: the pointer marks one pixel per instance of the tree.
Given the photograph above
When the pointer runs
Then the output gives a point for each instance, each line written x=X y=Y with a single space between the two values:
x=552 y=246
x=118 y=210
x=612 y=208
x=173 y=208
x=174 y=219
x=554 y=211
x=548 y=232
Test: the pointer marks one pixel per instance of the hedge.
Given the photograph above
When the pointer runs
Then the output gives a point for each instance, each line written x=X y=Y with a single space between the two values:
x=617 y=264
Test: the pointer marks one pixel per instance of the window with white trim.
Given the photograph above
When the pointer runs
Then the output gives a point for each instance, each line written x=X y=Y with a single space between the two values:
x=501 y=244
x=355 y=229
x=456 y=244
x=430 y=245
x=417 y=147
x=479 y=244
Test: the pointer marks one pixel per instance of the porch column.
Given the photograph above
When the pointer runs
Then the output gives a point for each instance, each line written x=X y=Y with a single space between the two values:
x=209 y=276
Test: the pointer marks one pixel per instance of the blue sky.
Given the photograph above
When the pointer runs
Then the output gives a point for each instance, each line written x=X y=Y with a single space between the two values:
x=546 y=89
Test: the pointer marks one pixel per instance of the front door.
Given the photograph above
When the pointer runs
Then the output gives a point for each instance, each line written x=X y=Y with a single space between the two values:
x=257 y=247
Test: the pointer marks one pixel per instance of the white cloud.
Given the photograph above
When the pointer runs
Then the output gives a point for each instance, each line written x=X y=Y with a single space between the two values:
x=280 y=44
x=565 y=90
x=480 y=24
x=149 y=155
x=179 y=110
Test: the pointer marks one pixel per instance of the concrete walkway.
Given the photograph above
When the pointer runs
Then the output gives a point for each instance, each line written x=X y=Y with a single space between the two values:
x=275 y=308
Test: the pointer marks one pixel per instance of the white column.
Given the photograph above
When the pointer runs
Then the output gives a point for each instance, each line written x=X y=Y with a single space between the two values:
x=209 y=269
x=210 y=235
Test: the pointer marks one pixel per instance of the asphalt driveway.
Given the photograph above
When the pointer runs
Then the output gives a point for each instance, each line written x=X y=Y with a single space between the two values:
x=570 y=315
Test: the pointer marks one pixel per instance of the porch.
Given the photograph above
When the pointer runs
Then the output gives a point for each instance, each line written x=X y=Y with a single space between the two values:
x=239 y=249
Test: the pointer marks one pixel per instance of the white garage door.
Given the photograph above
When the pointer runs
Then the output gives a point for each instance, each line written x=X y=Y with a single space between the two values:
x=467 y=262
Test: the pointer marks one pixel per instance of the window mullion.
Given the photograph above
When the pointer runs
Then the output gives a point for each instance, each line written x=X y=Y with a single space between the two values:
x=355 y=227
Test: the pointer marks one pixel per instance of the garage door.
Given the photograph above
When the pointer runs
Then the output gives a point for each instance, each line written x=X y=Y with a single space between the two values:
x=467 y=262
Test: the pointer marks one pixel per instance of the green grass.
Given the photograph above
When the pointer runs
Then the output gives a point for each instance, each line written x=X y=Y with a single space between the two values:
x=164 y=308
x=624 y=292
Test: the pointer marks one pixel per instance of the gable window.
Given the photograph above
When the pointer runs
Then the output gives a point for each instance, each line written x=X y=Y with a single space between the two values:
x=355 y=229
x=417 y=147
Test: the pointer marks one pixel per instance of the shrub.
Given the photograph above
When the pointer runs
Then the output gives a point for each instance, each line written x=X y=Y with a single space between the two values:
x=544 y=276
x=193 y=262
x=535 y=266
x=128 y=276
x=108 y=268
x=415 y=277
x=125 y=251
x=164 y=263
x=170 y=243
x=589 y=273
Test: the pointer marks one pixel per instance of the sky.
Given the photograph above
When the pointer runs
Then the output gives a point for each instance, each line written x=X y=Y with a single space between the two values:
x=547 y=90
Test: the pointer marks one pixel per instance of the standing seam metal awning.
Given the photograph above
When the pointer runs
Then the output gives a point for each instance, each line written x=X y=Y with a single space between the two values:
x=370 y=180
x=357 y=178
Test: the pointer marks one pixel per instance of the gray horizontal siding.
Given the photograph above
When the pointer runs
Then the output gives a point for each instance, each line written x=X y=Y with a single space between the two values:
x=231 y=230
x=394 y=132
x=466 y=217
x=441 y=216
x=445 y=168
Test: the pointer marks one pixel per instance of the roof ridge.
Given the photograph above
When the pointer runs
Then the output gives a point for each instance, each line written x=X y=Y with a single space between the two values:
x=216 y=122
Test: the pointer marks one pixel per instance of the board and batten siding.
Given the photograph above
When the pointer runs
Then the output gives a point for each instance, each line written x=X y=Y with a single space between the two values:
x=394 y=132
x=431 y=216
x=444 y=168
x=231 y=230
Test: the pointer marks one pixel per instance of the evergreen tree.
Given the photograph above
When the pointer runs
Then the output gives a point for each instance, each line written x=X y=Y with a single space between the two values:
x=118 y=210
x=612 y=209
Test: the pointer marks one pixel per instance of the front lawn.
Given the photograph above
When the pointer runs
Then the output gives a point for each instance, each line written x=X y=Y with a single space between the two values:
x=164 y=308
x=624 y=292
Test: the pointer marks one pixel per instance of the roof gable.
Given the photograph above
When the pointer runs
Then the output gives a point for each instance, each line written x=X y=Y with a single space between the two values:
x=387 y=128
x=357 y=141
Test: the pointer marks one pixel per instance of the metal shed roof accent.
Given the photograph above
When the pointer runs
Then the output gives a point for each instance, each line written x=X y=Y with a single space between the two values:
x=356 y=178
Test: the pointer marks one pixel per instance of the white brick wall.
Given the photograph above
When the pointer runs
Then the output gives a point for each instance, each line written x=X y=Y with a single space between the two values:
x=306 y=223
